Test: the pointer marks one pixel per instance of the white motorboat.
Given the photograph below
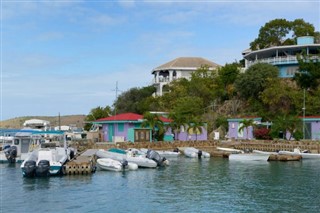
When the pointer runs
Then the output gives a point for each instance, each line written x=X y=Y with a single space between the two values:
x=303 y=154
x=114 y=165
x=231 y=150
x=164 y=153
x=119 y=155
x=150 y=154
x=192 y=152
x=47 y=160
x=249 y=157
x=17 y=148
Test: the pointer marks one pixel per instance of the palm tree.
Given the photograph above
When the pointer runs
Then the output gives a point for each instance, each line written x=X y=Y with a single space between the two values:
x=246 y=123
x=155 y=124
x=176 y=124
x=196 y=126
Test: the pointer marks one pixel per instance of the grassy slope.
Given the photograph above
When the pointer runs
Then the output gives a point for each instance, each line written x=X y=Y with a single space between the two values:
x=17 y=123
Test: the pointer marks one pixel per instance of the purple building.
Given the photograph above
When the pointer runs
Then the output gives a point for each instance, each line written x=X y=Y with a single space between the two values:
x=236 y=123
x=127 y=127
x=311 y=127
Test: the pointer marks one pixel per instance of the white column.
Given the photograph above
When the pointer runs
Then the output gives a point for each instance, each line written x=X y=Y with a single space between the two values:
x=157 y=77
x=170 y=75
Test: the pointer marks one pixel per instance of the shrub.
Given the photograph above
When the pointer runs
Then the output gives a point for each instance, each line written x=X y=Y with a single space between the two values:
x=262 y=134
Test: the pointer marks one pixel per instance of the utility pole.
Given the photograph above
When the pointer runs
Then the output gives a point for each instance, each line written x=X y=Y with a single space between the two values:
x=304 y=113
x=115 y=106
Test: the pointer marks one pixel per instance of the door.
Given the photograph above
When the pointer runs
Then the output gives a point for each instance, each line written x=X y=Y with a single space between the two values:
x=110 y=132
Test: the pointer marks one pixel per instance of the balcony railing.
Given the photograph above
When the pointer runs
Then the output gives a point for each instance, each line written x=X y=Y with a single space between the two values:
x=278 y=60
x=275 y=60
x=163 y=80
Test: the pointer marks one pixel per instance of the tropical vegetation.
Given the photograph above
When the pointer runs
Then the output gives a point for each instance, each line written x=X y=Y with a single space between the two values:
x=212 y=96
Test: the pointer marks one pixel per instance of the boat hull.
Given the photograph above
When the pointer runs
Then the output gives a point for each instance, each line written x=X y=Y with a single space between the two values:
x=193 y=153
x=141 y=161
x=114 y=165
x=249 y=157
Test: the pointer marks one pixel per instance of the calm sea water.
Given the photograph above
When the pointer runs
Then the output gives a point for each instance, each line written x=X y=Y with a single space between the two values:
x=187 y=185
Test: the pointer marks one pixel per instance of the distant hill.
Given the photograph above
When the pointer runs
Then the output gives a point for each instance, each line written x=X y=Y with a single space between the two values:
x=17 y=123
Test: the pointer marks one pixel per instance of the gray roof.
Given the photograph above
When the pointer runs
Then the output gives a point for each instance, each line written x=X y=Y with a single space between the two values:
x=187 y=62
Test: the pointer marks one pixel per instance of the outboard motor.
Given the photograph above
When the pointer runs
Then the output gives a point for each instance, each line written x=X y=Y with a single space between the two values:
x=11 y=153
x=153 y=155
x=71 y=154
x=199 y=154
x=124 y=164
x=29 y=168
x=42 y=170
x=176 y=150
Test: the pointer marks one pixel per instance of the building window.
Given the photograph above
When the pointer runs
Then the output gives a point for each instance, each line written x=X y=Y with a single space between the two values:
x=291 y=71
x=120 y=127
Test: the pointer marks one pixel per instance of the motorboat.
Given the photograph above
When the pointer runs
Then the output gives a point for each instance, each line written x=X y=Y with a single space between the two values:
x=47 y=160
x=230 y=150
x=115 y=165
x=192 y=152
x=164 y=153
x=17 y=148
x=154 y=155
x=304 y=154
x=120 y=154
x=254 y=156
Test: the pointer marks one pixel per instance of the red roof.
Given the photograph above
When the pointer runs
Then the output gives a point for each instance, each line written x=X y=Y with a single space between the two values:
x=123 y=117
x=129 y=117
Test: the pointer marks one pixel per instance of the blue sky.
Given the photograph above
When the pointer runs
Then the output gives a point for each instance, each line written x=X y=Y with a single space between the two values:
x=66 y=56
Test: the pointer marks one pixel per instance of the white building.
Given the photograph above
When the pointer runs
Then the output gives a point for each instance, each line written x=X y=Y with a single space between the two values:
x=181 y=67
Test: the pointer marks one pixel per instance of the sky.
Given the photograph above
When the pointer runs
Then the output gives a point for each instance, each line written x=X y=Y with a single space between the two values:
x=67 y=57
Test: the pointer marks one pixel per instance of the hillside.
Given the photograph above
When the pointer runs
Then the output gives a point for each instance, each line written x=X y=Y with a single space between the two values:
x=16 y=123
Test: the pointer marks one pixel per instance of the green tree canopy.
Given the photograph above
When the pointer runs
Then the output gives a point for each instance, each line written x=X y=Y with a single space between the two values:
x=134 y=100
x=154 y=122
x=308 y=75
x=251 y=83
x=277 y=32
x=95 y=114
x=245 y=124
x=226 y=78
x=280 y=97
x=285 y=123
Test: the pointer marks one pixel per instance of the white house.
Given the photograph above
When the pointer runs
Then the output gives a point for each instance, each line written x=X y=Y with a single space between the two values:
x=181 y=67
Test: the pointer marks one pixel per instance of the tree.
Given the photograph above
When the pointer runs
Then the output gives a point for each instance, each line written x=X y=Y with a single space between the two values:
x=196 y=126
x=251 y=83
x=280 y=97
x=154 y=122
x=308 y=75
x=271 y=34
x=201 y=84
x=285 y=123
x=226 y=78
x=277 y=32
x=245 y=124
x=177 y=123
x=134 y=100
x=95 y=114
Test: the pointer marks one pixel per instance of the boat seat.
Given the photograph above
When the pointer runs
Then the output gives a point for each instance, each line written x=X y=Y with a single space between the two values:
x=45 y=155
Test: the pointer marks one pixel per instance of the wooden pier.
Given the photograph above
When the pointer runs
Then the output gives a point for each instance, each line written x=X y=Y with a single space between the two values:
x=83 y=164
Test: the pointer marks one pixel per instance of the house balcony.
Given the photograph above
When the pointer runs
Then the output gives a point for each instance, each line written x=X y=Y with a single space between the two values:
x=162 y=80
x=277 y=61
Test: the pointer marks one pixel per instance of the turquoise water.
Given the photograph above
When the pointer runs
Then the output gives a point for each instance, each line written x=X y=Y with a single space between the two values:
x=187 y=185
